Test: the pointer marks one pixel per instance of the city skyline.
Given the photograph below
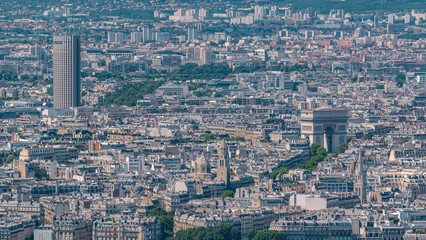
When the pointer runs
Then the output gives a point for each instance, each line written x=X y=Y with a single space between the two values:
x=202 y=120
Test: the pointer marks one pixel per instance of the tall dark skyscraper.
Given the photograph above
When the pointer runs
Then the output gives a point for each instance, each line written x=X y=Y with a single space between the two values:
x=66 y=71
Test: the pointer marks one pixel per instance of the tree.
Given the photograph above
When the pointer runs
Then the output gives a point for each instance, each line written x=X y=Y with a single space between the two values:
x=400 y=79
x=227 y=193
x=102 y=62
x=367 y=136
x=274 y=174
x=321 y=152
x=318 y=154
x=342 y=147
x=130 y=93
x=251 y=234
x=193 y=71
x=267 y=235
x=166 y=221
x=209 y=137
x=314 y=147
x=10 y=158
x=222 y=232
x=395 y=220
x=218 y=95
x=41 y=174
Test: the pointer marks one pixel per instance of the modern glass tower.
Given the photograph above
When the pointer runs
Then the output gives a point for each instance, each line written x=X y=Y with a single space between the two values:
x=66 y=71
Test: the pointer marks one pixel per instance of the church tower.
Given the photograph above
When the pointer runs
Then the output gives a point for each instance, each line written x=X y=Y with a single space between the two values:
x=223 y=169
x=360 y=181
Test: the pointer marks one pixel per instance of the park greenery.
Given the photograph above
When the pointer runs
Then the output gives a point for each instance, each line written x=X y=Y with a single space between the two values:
x=235 y=139
x=400 y=79
x=266 y=235
x=10 y=158
x=282 y=68
x=130 y=93
x=367 y=136
x=41 y=174
x=275 y=121
x=209 y=137
x=222 y=232
x=274 y=174
x=227 y=193
x=318 y=154
x=414 y=36
x=192 y=71
x=203 y=93
x=342 y=148
x=166 y=221
x=126 y=13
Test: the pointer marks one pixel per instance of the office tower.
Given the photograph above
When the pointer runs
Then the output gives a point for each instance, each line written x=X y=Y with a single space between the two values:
x=180 y=13
x=66 y=71
x=259 y=12
x=273 y=12
x=147 y=34
x=111 y=37
x=340 y=13
x=205 y=56
x=309 y=34
x=374 y=21
x=407 y=18
x=119 y=37
x=114 y=37
x=288 y=13
x=223 y=169
x=162 y=36
x=192 y=34
x=36 y=50
x=191 y=54
x=391 y=18
x=202 y=13
x=230 y=13
x=136 y=37
x=284 y=33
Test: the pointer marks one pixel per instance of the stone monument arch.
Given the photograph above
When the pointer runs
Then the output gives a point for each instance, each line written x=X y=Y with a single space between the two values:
x=325 y=126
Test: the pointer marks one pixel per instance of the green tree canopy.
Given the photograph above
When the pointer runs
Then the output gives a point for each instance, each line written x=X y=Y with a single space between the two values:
x=166 y=221
x=318 y=154
x=41 y=174
x=209 y=137
x=130 y=93
x=274 y=174
x=227 y=193
x=314 y=147
x=222 y=232
x=266 y=235
x=10 y=158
